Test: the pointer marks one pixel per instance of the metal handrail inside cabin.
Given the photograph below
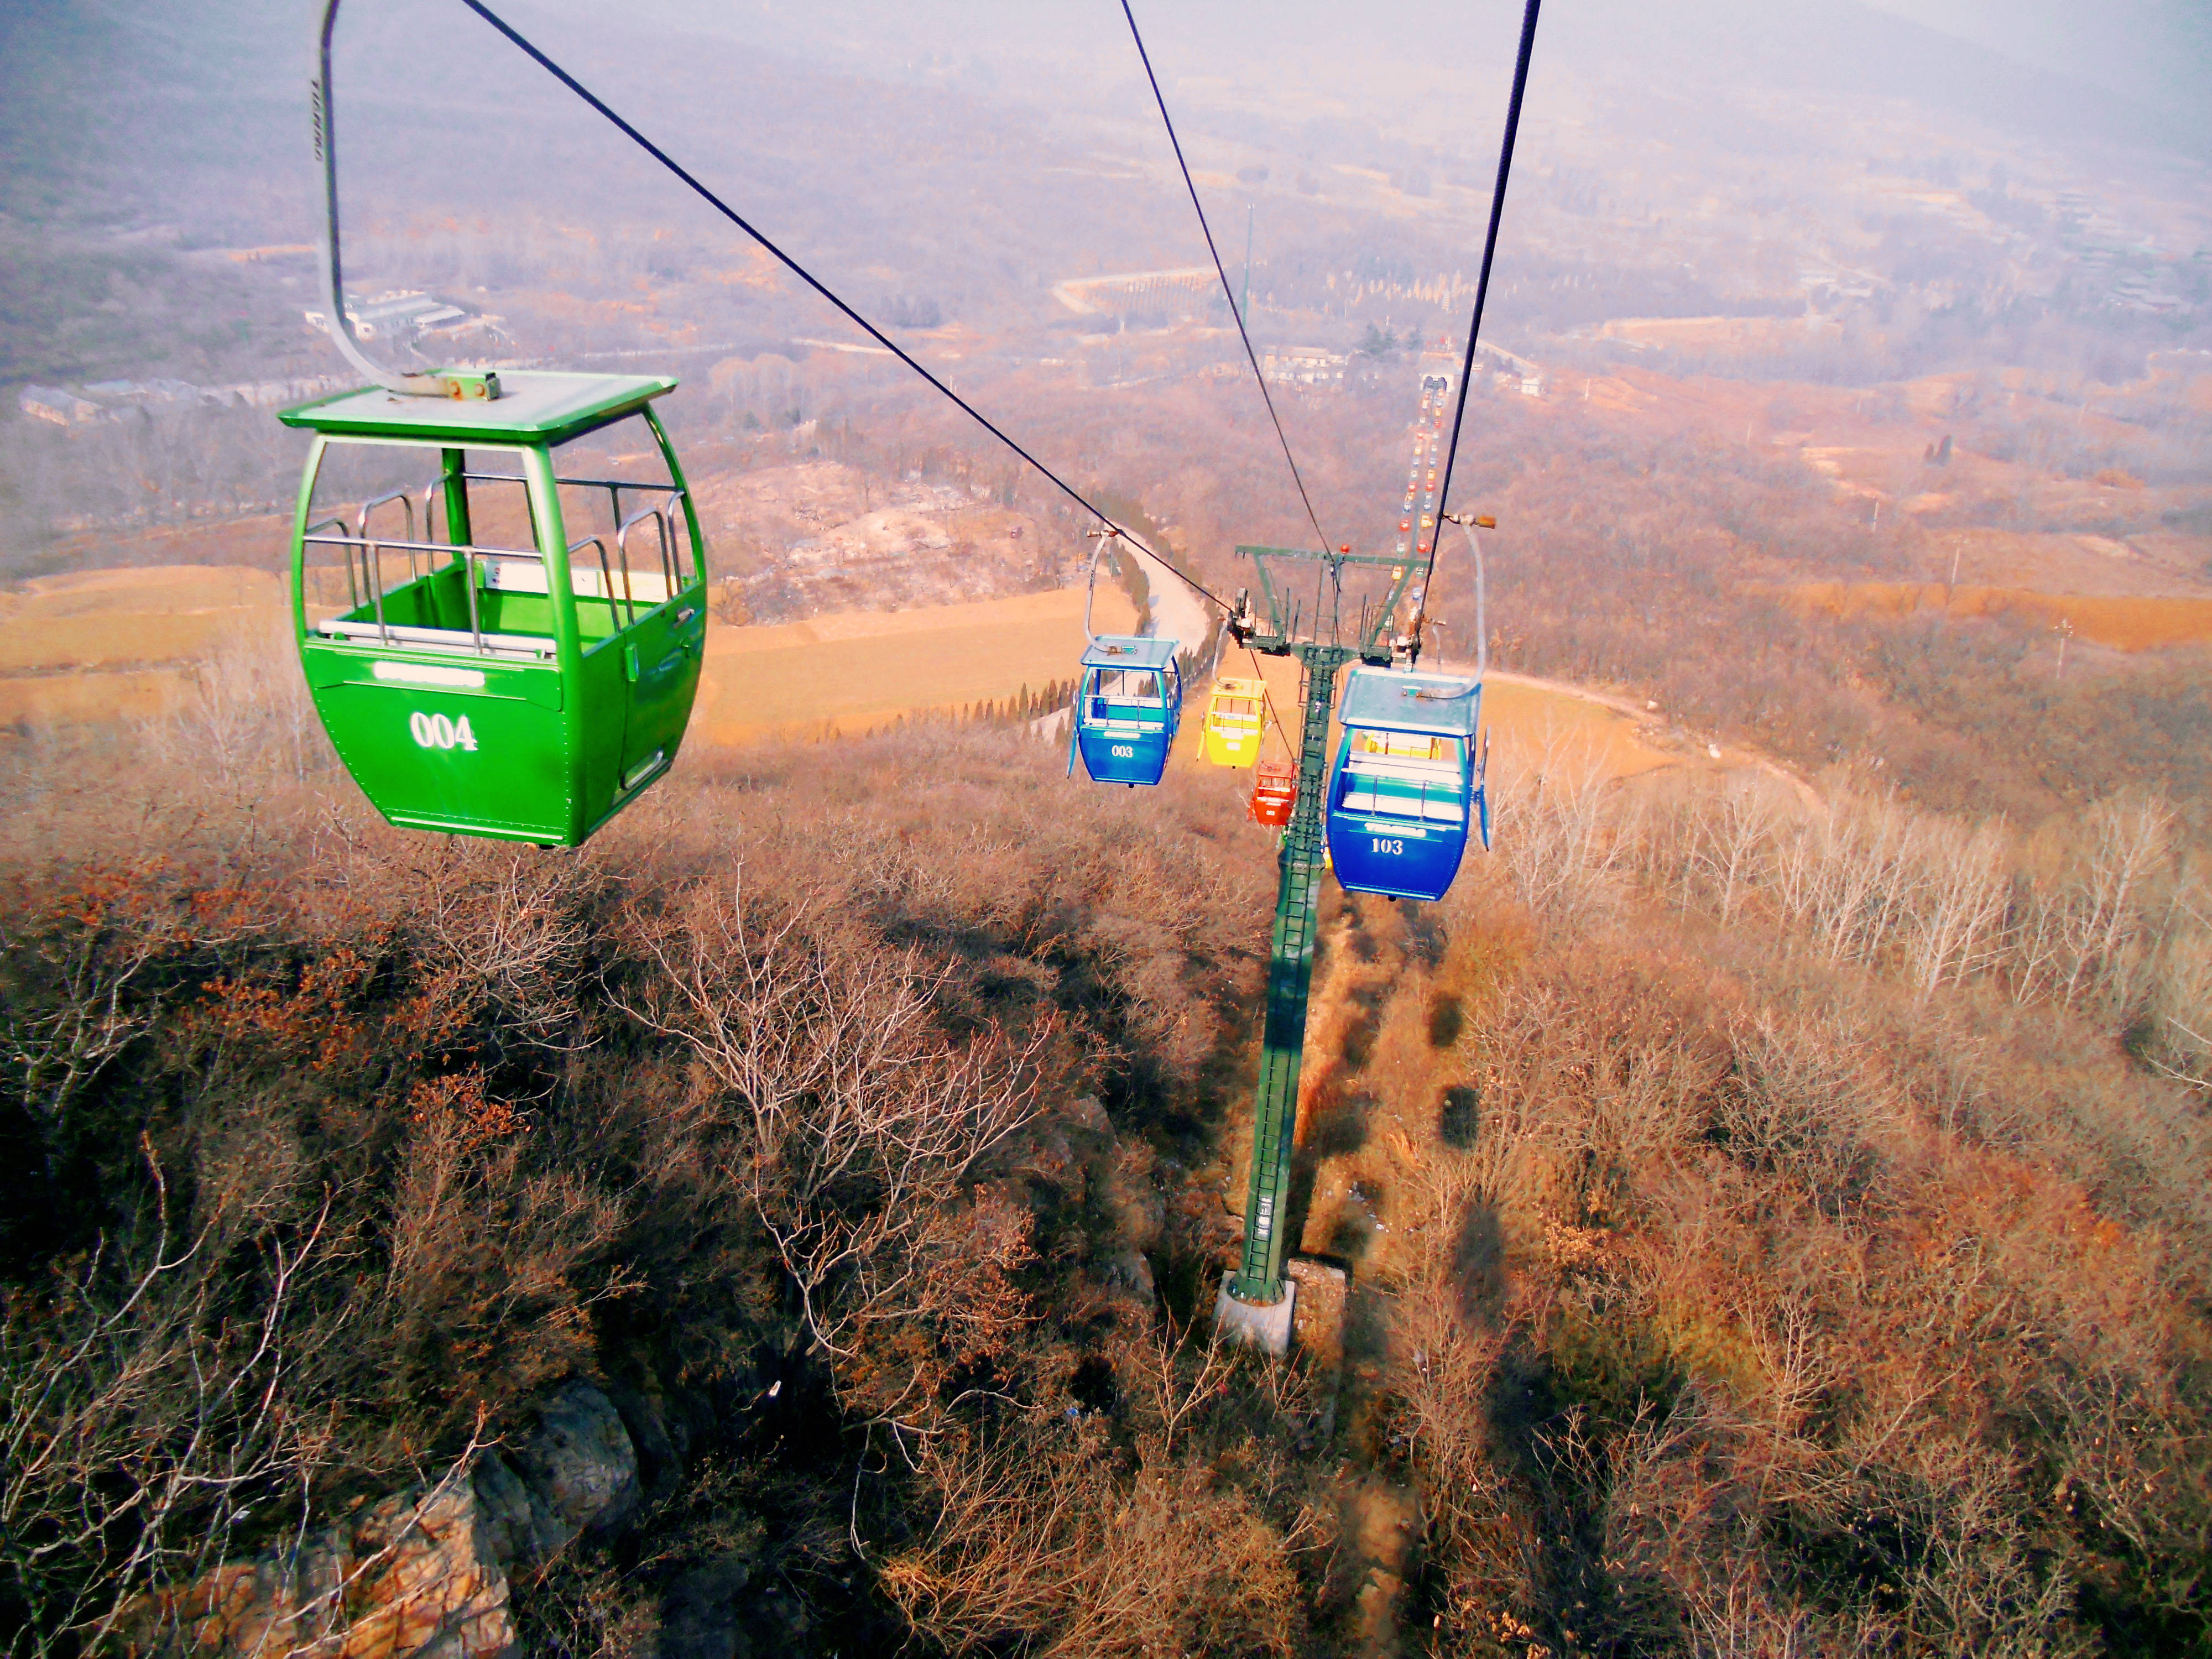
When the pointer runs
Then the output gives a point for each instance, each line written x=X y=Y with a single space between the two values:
x=669 y=534
x=606 y=580
x=406 y=505
x=665 y=532
x=366 y=550
x=369 y=551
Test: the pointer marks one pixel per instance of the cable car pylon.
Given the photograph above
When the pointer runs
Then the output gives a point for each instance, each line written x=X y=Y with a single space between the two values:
x=1255 y=1301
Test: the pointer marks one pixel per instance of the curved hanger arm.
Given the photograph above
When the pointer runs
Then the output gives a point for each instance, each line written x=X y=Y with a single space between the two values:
x=1098 y=541
x=1468 y=522
x=1481 y=603
x=340 y=325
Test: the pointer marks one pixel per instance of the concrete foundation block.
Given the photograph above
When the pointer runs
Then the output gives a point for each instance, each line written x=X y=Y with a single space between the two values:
x=1264 y=1325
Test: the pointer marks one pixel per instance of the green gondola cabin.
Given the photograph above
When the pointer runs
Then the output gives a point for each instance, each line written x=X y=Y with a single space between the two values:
x=498 y=644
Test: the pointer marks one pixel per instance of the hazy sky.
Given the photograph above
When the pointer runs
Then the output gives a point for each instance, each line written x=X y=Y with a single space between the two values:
x=2155 y=54
x=141 y=87
x=2160 y=50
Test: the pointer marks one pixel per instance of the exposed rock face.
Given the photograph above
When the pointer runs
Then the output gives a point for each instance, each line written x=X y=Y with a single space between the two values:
x=1128 y=1195
x=576 y=1471
x=1128 y=1273
x=417 y=1574
x=698 y=1616
x=422 y=1574
x=1079 y=1154
x=432 y=1586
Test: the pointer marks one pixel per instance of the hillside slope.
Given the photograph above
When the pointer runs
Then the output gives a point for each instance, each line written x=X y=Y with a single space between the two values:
x=1772 y=1225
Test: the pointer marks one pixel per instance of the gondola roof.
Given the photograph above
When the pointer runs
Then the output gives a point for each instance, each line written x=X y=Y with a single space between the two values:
x=1442 y=705
x=533 y=407
x=1120 y=651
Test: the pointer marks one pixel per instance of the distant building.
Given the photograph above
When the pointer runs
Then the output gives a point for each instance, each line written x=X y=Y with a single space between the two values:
x=1304 y=366
x=269 y=394
x=146 y=393
x=405 y=313
x=117 y=397
x=1152 y=297
x=1507 y=360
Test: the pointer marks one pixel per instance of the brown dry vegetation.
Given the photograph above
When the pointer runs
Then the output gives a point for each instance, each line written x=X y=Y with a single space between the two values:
x=773 y=1111
x=1776 y=1239
x=1776 y=1225
x=1656 y=569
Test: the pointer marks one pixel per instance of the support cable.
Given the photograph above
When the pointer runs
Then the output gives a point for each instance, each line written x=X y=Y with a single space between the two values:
x=800 y=272
x=1219 y=271
x=1267 y=697
x=1481 y=291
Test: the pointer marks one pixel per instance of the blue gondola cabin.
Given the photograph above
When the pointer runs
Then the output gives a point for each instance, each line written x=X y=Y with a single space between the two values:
x=1404 y=794
x=1129 y=702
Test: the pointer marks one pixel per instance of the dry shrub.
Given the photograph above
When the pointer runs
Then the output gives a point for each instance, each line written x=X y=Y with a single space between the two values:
x=1046 y=1540
x=82 y=967
x=162 y=1400
x=495 y=1262
x=2180 y=1040
x=1584 y=1074
x=244 y=724
x=1762 y=1314
x=551 y=1114
x=1804 y=1104
x=862 y=1128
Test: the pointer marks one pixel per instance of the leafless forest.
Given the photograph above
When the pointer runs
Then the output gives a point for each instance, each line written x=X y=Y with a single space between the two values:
x=1785 y=1226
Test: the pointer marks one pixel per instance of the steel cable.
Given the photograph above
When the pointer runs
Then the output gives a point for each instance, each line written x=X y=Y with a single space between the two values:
x=1219 y=271
x=1268 y=698
x=800 y=272
x=1481 y=291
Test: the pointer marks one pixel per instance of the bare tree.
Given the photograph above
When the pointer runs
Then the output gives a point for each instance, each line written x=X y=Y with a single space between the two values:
x=1960 y=902
x=862 y=1124
x=1731 y=839
x=1556 y=835
x=144 y=1426
x=2126 y=837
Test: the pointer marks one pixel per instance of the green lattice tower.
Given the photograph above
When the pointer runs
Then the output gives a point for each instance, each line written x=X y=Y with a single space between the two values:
x=1297 y=896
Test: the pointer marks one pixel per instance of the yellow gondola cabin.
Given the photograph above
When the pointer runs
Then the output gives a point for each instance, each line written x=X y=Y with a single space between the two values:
x=1235 y=718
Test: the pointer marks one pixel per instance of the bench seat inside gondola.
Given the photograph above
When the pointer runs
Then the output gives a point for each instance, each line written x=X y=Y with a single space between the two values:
x=513 y=610
x=1405 y=775
x=1431 y=800
x=1147 y=714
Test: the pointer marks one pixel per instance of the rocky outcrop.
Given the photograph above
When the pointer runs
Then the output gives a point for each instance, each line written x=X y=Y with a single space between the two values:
x=423 y=1573
x=575 y=1471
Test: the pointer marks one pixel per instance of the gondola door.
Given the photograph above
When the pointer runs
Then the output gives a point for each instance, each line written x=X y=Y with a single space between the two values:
x=661 y=598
